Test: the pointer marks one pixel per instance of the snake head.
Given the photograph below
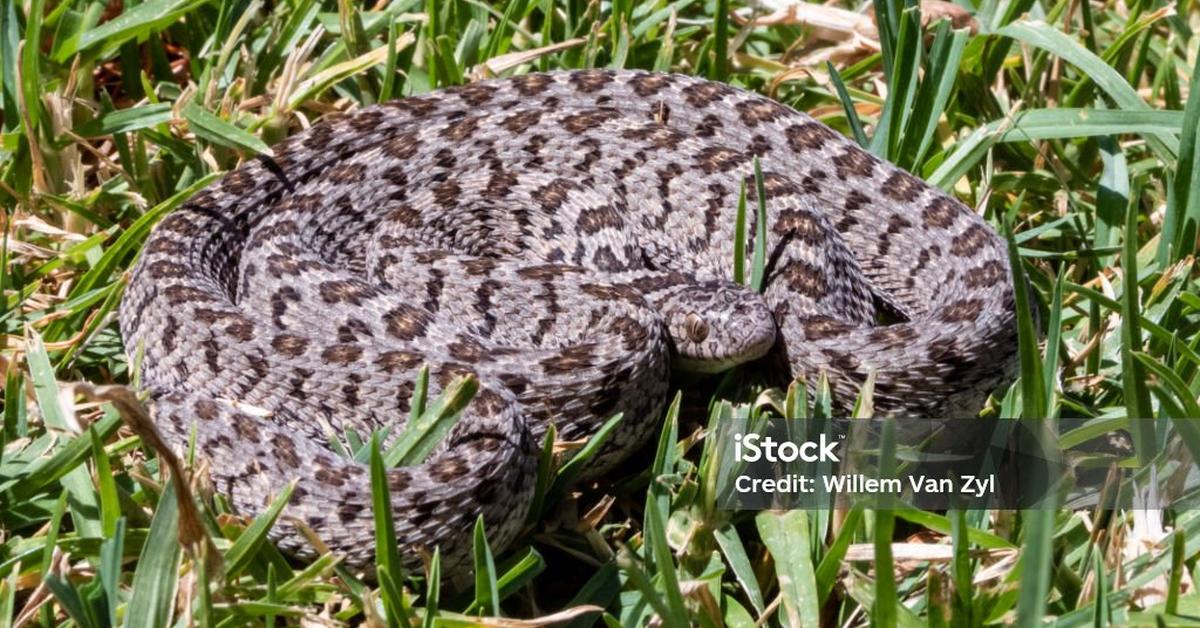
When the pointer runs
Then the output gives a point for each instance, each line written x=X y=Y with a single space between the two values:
x=716 y=326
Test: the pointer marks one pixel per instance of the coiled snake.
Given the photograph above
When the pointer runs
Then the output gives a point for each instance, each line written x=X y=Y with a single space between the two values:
x=568 y=238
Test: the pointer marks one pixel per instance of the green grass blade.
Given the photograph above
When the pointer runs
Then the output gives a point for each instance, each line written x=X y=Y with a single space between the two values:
x=1033 y=392
x=1178 y=553
x=421 y=437
x=126 y=120
x=743 y=570
x=136 y=21
x=719 y=69
x=110 y=508
x=576 y=465
x=156 y=579
x=786 y=536
x=739 y=237
x=664 y=566
x=213 y=129
x=112 y=554
x=487 y=590
x=1180 y=222
x=1050 y=364
x=758 y=271
x=852 y=119
x=245 y=548
x=1054 y=41
x=433 y=590
x=1137 y=394
x=387 y=551
x=1036 y=564
x=887 y=601
x=85 y=506
x=831 y=563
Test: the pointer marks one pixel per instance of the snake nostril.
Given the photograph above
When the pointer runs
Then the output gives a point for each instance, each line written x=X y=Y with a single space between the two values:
x=697 y=329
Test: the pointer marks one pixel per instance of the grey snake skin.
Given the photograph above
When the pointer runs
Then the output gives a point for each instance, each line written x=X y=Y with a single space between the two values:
x=567 y=238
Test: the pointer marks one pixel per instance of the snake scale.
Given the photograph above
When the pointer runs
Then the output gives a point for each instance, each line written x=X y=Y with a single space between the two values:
x=567 y=238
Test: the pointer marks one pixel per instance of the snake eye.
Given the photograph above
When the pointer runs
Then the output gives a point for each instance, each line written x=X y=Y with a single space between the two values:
x=697 y=329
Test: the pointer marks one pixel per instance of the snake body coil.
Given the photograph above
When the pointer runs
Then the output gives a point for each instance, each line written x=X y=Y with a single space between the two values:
x=566 y=237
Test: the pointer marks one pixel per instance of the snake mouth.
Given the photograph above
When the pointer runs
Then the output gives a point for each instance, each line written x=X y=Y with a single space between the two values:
x=756 y=348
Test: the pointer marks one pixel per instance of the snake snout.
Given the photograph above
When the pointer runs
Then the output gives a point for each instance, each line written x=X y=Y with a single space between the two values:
x=717 y=326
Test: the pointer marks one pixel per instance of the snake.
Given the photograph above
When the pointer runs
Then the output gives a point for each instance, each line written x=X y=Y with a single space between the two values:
x=567 y=239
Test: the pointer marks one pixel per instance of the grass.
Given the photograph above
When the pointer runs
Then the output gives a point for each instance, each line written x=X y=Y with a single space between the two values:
x=1071 y=125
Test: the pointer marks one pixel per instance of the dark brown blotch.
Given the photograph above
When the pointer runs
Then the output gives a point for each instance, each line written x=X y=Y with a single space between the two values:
x=646 y=85
x=552 y=195
x=167 y=269
x=461 y=129
x=987 y=275
x=594 y=219
x=962 y=311
x=346 y=173
x=709 y=125
x=532 y=84
x=449 y=469
x=406 y=322
x=588 y=81
x=404 y=214
x=518 y=122
x=417 y=106
x=241 y=329
x=809 y=136
x=178 y=295
x=774 y=184
x=854 y=162
x=366 y=120
x=903 y=187
x=758 y=110
x=634 y=333
x=342 y=354
x=479 y=266
x=246 y=427
x=402 y=146
x=842 y=360
x=467 y=349
x=821 y=327
x=446 y=193
x=940 y=213
x=800 y=224
x=285 y=450
x=945 y=351
x=655 y=135
x=500 y=184
x=207 y=410
x=587 y=119
x=350 y=512
x=805 y=279
x=547 y=272
x=701 y=95
x=398 y=361
x=612 y=292
x=570 y=360
x=344 y=291
x=476 y=94
x=967 y=243
x=893 y=335
x=290 y=345
x=719 y=159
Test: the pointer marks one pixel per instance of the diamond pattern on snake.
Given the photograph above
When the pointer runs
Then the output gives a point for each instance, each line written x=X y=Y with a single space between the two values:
x=568 y=239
